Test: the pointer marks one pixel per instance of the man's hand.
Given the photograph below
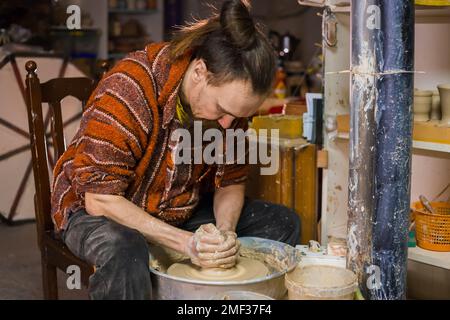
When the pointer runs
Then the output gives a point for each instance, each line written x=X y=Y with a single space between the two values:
x=212 y=248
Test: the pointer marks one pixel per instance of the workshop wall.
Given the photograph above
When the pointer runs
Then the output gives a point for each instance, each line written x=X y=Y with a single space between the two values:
x=281 y=16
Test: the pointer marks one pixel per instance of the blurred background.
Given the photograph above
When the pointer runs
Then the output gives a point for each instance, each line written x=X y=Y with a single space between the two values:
x=112 y=28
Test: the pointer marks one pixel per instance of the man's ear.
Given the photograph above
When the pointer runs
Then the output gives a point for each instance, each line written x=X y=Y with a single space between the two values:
x=200 y=71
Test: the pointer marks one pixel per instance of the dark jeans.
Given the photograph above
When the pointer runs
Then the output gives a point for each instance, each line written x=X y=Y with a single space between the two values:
x=121 y=254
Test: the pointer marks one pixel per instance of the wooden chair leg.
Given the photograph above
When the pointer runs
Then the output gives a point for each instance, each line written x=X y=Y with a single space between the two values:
x=49 y=280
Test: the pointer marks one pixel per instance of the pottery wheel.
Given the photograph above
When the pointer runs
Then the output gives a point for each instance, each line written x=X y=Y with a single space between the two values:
x=245 y=269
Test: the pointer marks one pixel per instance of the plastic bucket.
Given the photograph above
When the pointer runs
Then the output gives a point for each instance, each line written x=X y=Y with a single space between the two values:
x=318 y=282
x=241 y=295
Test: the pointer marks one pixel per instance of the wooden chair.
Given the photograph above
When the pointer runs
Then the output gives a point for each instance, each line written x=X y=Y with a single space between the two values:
x=54 y=254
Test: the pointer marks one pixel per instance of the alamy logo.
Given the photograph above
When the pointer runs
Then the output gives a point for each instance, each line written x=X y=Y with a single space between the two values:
x=74 y=279
x=237 y=147
x=73 y=22
x=374 y=279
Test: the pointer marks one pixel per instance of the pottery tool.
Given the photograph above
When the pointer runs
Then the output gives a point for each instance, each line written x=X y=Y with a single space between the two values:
x=426 y=204
x=441 y=193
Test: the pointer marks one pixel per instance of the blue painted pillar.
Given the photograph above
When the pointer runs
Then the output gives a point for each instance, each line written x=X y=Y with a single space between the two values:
x=381 y=143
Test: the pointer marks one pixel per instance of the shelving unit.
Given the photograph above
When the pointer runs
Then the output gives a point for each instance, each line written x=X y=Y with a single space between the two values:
x=422 y=11
x=427 y=14
x=430 y=146
x=418 y=145
x=433 y=258
x=151 y=21
x=344 y=134
x=431 y=156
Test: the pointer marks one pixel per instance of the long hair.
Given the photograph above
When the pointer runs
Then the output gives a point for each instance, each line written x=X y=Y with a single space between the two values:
x=232 y=46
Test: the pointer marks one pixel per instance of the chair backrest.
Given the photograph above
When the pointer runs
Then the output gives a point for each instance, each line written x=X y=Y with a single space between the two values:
x=51 y=92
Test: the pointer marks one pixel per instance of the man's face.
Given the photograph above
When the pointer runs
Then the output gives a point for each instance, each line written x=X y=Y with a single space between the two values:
x=218 y=105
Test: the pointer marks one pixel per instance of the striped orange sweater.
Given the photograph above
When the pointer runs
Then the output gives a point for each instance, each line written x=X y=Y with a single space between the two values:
x=123 y=146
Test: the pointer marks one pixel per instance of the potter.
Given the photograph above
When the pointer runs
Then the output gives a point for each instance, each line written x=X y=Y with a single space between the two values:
x=117 y=187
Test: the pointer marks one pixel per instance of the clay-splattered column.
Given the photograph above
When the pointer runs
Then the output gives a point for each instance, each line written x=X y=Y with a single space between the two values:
x=380 y=145
x=362 y=141
x=394 y=144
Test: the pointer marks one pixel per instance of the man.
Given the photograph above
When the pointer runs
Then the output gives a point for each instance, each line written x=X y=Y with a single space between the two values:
x=118 y=185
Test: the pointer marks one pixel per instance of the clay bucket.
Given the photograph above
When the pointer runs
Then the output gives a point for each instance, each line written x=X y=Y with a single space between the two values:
x=319 y=282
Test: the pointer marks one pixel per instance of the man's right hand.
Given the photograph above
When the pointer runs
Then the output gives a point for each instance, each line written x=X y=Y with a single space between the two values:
x=210 y=248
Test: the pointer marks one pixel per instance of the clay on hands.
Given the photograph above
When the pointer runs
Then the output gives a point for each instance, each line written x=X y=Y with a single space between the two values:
x=211 y=248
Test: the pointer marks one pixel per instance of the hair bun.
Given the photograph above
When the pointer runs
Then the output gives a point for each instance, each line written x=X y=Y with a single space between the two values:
x=238 y=24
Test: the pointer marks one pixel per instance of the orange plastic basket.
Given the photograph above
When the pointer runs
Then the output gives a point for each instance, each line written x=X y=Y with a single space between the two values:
x=433 y=230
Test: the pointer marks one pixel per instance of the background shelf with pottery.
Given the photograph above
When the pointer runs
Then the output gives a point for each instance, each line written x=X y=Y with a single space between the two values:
x=431 y=154
x=431 y=158
x=132 y=25
x=428 y=136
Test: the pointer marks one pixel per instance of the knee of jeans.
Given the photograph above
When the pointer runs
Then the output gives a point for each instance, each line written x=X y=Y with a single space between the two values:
x=127 y=243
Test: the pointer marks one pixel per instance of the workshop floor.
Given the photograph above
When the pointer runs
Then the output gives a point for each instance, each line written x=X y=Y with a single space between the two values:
x=20 y=269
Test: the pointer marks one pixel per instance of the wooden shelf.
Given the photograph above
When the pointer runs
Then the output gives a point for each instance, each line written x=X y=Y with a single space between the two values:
x=419 y=145
x=430 y=146
x=431 y=136
x=437 y=259
x=297 y=143
x=422 y=11
x=427 y=136
x=432 y=14
x=343 y=135
x=432 y=11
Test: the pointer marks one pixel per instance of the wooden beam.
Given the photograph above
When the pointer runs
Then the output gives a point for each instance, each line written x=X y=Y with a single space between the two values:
x=306 y=191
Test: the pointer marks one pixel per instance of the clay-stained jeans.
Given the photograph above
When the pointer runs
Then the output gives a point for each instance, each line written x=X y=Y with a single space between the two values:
x=121 y=254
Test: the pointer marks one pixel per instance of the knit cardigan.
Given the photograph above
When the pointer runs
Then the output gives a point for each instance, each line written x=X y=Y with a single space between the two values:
x=123 y=146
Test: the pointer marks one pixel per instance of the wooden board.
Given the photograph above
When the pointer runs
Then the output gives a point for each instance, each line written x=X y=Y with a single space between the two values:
x=431 y=132
x=306 y=191
x=294 y=186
